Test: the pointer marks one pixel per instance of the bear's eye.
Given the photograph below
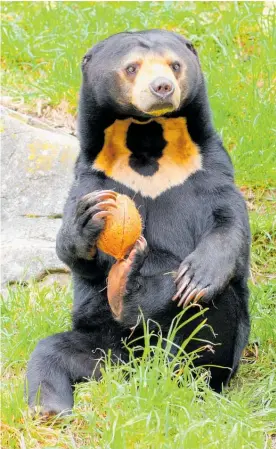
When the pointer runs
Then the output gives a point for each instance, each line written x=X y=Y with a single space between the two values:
x=175 y=66
x=131 y=69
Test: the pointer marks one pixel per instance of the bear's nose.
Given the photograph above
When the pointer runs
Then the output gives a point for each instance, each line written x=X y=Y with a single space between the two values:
x=161 y=87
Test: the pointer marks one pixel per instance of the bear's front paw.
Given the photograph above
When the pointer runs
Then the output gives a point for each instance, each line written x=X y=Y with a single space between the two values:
x=121 y=278
x=92 y=209
x=198 y=279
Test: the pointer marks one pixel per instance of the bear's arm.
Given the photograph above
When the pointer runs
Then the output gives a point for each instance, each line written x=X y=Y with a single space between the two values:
x=222 y=253
x=68 y=251
x=73 y=247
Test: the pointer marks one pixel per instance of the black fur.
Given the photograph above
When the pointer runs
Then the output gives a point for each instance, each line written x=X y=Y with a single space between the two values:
x=146 y=144
x=202 y=222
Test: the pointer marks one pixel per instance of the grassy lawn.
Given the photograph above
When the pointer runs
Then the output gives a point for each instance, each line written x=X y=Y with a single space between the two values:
x=42 y=44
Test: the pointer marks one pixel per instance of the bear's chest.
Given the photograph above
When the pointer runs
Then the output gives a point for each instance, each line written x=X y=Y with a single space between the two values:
x=148 y=158
x=173 y=223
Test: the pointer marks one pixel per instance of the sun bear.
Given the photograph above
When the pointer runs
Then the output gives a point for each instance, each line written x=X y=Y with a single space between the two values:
x=146 y=131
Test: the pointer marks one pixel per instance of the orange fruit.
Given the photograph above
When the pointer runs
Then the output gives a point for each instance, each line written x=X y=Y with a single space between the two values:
x=122 y=228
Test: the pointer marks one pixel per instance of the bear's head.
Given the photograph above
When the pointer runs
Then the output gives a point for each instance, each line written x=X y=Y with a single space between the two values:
x=143 y=74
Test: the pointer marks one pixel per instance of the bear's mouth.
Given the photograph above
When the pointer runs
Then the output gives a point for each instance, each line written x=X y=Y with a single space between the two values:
x=160 y=109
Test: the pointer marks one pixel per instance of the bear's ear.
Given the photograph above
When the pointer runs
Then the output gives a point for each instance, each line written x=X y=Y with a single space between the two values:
x=91 y=53
x=190 y=46
x=187 y=43
x=85 y=59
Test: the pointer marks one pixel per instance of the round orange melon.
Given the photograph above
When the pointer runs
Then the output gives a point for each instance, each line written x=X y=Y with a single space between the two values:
x=122 y=228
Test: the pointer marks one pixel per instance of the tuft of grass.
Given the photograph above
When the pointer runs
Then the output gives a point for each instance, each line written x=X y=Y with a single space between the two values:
x=43 y=43
x=263 y=230
x=143 y=403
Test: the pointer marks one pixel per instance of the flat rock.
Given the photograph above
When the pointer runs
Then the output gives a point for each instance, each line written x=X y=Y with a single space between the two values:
x=36 y=172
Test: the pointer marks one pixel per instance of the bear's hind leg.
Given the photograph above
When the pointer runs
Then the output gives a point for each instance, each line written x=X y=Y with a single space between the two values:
x=229 y=319
x=56 y=364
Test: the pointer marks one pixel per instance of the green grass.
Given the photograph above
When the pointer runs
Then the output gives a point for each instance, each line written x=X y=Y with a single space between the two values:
x=42 y=44
x=149 y=410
